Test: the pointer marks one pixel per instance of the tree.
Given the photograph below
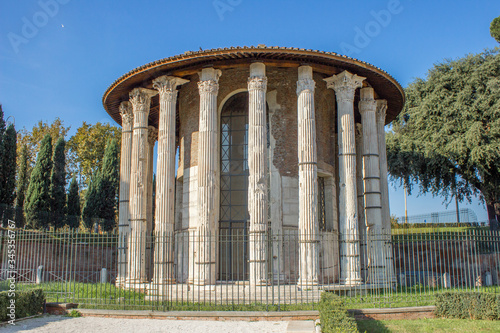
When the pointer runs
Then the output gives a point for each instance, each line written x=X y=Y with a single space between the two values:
x=2 y=132
x=22 y=185
x=73 y=207
x=495 y=29
x=447 y=138
x=33 y=139
x=37 y=205
x=8 y=172
x=91 y=205
x=108 y=187
x=86 y=148
x=58 y=184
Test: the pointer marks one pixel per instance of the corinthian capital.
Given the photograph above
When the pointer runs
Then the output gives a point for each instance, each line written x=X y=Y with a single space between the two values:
x=167 y=86
x=208 y=87
x=257 y=83
x=381 y=110
x=345 y=85
x=126 y=113
x=209 y=81
x=152 y=135
x=141 y=99
x=305 y=84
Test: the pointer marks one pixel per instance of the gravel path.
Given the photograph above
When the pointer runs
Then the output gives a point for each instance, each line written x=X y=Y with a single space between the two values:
x=59 y=324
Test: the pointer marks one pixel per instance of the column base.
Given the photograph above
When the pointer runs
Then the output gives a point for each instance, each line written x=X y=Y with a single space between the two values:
x=307 y=284
x=351 y=282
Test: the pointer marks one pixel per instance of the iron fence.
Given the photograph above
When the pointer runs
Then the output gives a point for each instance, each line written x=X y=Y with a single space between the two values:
x=215 y=271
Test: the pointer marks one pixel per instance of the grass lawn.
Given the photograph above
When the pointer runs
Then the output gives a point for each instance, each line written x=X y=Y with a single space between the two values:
x=429 y=325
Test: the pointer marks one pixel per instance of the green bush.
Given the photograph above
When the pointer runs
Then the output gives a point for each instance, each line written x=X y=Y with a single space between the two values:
x=465 y=305
x=28 y=303
x=334 y=316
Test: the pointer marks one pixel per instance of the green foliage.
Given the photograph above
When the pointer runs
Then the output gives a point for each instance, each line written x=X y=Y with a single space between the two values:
x=8 y=173
x=73 y=205
x=58 y=184
x=74 y=314
x=107 y=189
x=447 y=138
x=8 y=167
x=37 y=205
x=27 y=303
x=495 y=29
x=33 y=139
x=86 y=148
x=465 y=305
x=91 y=204
x=334 y=316
x=22 y=185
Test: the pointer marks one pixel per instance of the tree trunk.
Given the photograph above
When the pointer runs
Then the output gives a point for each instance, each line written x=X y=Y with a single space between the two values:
x=493 y=217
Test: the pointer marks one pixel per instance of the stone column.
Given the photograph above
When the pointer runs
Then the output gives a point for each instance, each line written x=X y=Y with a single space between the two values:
x=384 y=186
x=141 y=101
x=345 y=85
x=371 y=181
x=308 y=179
x=165 y=180
x=361 y=201
x=208 y=180
x=257 y=178
x=152 y=136
x=123 y=207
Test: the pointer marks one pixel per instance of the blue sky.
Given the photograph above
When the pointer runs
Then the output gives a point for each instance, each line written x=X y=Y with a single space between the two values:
x=75 y=49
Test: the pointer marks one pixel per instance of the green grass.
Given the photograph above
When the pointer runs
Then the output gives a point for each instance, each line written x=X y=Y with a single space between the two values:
x=429 y=325
x=108 y=296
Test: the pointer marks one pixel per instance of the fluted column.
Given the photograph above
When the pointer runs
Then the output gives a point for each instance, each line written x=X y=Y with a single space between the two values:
x=141 y=101
x=308 y=179
x=123 y=207
x=345 y=85
x=361 y=201
x=165 y=180
x=384 y=186
x=371 y=181
x=208 y=179
x=257 y=167
x=152 y=136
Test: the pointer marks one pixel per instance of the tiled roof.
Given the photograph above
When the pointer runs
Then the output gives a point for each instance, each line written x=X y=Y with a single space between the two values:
x=191 y=61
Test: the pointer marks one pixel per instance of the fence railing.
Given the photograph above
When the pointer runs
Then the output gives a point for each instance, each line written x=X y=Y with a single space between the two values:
x=185 y=271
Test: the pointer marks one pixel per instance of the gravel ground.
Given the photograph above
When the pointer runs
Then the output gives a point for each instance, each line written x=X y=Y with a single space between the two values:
x=59 y=324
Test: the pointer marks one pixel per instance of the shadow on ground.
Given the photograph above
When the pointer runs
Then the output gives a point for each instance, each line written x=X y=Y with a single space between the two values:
x=371 y=325
x=30 y=324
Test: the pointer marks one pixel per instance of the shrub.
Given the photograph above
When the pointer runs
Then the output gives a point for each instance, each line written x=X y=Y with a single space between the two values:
x=28 y=303
x=465 y=305
x=334 y=316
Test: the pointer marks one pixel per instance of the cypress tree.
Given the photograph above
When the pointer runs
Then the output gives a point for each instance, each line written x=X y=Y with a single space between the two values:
x=8 y=167
x=73 y=208
x=91 y=204
x=2 y=173
x=58 y=184
x=108 y=186
x=22 y=184
x=37 y=203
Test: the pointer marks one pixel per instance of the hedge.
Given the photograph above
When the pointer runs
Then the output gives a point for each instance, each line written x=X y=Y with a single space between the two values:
x=28 y=303
x=465 y=305
x=334 y=316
